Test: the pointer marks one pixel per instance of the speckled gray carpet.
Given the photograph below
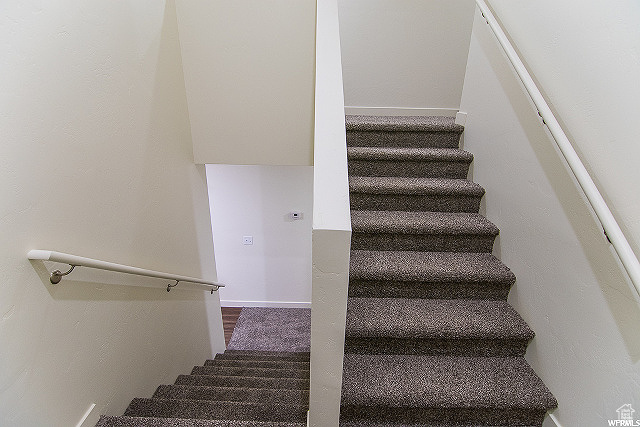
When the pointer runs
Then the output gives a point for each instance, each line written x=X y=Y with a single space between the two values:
x=430 y=339
x=274 y=329
x=237 y=388
x=262 y=379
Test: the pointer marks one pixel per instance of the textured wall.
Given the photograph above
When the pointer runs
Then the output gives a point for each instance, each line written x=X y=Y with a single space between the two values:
x=569 y=286
x=96 y=161
x=404 y=53
x=256 y=201
x=586 y=56
x=248 y=68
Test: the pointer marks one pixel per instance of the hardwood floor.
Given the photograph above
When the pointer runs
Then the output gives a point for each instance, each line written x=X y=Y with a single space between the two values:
x=229 y=318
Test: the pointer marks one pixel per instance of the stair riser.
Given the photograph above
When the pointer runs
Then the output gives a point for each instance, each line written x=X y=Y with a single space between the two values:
x=410 y=139
x=413 y=202
x=294 y=397
x=215 y=410
x=437 y=347
x=250 y=372
x=424 y=169
x=444 y=416
x=250 y=382
x=439 y=290
x=421 y=242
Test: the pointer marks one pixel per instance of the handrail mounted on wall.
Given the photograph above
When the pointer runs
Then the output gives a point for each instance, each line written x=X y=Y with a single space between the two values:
x=78 y=261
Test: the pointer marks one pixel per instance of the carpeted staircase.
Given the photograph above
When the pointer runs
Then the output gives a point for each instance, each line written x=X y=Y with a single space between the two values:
x=430 y=338
x=237 y=388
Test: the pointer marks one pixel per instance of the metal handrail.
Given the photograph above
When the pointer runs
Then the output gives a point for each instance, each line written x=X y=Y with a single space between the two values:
x=78 y=261
x=612 y=230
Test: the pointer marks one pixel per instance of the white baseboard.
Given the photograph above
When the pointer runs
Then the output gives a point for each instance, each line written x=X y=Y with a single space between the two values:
x=92 y=421
x=551 y=421
x=461 y=118
x=400 y=111
x=273 y=304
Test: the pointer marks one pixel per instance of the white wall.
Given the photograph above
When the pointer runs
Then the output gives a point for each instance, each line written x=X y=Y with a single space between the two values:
x=248 y=67
x=569 y=286
x=256 y=201
x=404 y=53
x=586 y=56
x=96 y=161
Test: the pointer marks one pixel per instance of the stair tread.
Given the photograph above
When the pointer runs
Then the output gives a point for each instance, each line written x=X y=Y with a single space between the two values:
x=281 y=364
x=210 y=409
x=238 y=381
x=414 y=185
x=428 y=266
x=261 y=358
x=267 y=353
x=246 y=394
x=402 y=123
x=409 y=154
x=127 y=421
x=442 y=381
x=251 y=371
x=361 y=423
x=438 y=319
x=421 y=222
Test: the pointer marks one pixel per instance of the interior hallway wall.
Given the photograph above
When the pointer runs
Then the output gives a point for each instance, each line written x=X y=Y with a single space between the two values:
x=570 y=287
x=404 y=53
x=275 y=271
x=97 y=161
x=586 y=56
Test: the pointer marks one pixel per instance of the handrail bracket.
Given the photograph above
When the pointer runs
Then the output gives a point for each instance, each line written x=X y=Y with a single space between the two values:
x=56 y=276
x=169 y=286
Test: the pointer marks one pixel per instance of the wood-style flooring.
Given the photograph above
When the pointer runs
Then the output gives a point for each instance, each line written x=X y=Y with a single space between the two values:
x=229 y=318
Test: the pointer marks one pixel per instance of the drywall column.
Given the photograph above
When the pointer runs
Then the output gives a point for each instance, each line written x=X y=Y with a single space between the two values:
x=570 y=287
x=331 y=235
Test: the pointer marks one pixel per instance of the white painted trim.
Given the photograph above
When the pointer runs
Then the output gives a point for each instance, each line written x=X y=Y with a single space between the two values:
x=551 y=421
x=275 y=304
x=400 y=111
x=461 y=118
x=86 y=415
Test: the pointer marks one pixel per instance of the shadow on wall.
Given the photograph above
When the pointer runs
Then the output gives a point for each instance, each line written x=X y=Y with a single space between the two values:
x=614 y=283
x=169 y=122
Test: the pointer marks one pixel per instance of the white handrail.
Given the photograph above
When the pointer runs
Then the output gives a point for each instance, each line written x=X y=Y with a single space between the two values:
x=78 y=261
x=611 y=228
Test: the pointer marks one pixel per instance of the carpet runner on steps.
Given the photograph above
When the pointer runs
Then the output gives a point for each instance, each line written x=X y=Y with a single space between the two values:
x=236 y=388
x=430 y=338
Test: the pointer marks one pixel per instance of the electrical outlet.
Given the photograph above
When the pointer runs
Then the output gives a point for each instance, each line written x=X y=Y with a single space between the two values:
x=247 y=240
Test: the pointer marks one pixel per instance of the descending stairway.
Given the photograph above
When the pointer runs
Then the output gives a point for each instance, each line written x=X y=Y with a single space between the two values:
x=237 y=388
x=430 y=338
